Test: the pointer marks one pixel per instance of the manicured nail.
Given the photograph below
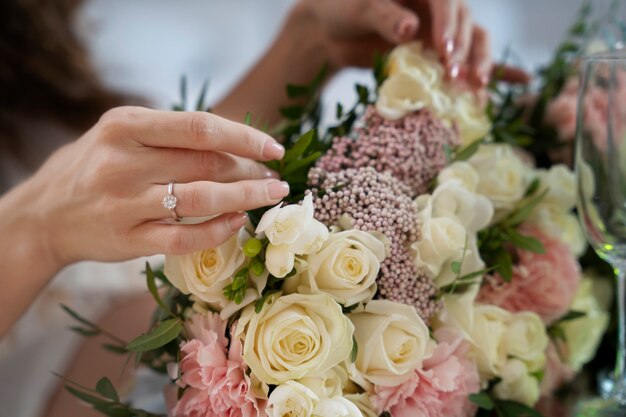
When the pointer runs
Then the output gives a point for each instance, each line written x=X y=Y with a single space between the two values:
x=454 y=70
x=237 y=221
x=273 y=150
x=277 y=190
x=404 y=29
x=449 y=46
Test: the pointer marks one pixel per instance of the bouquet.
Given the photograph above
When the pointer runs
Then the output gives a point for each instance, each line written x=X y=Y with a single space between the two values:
x=423 y=265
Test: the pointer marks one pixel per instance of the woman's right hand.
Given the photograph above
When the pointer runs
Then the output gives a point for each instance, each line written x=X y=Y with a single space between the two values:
x=99 y=198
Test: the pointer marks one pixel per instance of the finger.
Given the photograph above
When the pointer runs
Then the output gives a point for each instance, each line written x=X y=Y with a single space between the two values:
x=187 y=166
x=391 y=21
x=463 y=42
x=480 y=58
x=190 y=130
x=205 y=198
x=178 y=239
x=444 y=15
x=510 y=74
x=360 y=52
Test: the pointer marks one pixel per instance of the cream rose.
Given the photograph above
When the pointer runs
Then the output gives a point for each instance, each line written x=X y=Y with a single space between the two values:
x=503 y=176
x=294 y=336
x=517 y=384
x=414 y=82
x=470 y=118
x=205 y=273
x=583 y=335
x=336 y=407
x=345 y=268
x=293 y=225
x=363 y=402
x=329 y=384
x=291 y=399
x=453 y=200
x=461 y=171
x=392 y=342
x=526 y=339
x=561 y=185
x=555 y=222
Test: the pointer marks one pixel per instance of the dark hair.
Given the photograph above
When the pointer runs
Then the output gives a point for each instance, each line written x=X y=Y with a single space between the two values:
x=45 y=70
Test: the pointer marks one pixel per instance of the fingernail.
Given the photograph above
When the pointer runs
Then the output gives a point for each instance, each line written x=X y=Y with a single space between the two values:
x=273 y=150
x=271 y=174
x=454 y=70
x=277 y=190
x=449 y=46
x=484 y=79
x=237 y=221
x=404 y=29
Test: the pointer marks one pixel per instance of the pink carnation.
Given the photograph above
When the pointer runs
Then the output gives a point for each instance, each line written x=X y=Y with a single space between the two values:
x=213 y=374
x=544 y=283
x=440 y=389
x=556 y=372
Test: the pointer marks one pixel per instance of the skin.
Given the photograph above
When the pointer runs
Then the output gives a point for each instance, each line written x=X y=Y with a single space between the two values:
x=346 y=33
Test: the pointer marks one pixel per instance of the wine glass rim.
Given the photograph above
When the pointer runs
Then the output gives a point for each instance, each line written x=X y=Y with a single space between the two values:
x=617 y=54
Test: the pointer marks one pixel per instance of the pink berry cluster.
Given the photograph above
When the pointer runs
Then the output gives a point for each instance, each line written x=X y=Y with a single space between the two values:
x=411 y=149
x=377 y=201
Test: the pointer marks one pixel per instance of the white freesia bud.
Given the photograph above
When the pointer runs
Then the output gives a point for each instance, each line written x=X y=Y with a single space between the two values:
x=312 y=239
x=279 y=260
x=294 y=336
x=517 y=384
x=392 y=342
x=291 y=399
x=345 y=268
x=561 y=185
x=336 y=407
x=504 y=177
x=526 y=339
x=461 y=171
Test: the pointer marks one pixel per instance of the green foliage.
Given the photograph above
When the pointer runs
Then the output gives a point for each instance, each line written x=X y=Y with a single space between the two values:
x=154 y=291
x=488 y=405
x=355 y=350
x=252 y=247
x=236 y=290
x=161 y=335
x=482 y=400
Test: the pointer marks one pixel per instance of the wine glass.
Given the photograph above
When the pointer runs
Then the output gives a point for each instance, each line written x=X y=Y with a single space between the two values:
x=601 y=181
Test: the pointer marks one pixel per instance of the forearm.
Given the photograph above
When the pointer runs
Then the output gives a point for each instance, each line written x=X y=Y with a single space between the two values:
x=26 y=263
x=295 y=57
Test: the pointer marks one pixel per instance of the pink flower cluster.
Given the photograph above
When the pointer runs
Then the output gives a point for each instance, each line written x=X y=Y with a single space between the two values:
x=544 y=283
x=213 y=374
x=441 y=388
x=411 y=149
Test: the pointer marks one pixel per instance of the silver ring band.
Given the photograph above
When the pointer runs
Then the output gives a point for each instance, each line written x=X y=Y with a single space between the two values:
x=170 y=200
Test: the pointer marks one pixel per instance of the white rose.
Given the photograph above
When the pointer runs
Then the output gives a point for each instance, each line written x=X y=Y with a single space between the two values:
x=205 y=273
x=345 y=268
x=526 y=339
x=470 y=118
x=583 y=335
x=413 y=82
x=453 y=200
x=329 y=384
x=391 y=340
x=279 y=260
x=363 y=402
x=294 y=336
x=291 y=399
x=561 y=185
x=461 y=171
x=503 y=175
x=517 y=384
x=470 y=262
x=336 y=407
x=295 y=226
x=555 y=222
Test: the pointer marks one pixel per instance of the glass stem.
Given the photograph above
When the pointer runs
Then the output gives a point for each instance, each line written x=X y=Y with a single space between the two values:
x=619 y=390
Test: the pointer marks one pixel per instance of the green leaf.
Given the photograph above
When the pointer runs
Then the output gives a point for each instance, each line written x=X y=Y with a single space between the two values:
x=258 y=306
x=152 y=287
x=120 y=350
x=525 y=210
x=527 y=243
x=301 y=163
x=363 y=92
x=292 y=112
x=572 y=315
x=504 y=265
x=248 y=119
x=88 y=398
x=339 y=111
x=159 y=336
x=514 y=409
x=557 y=333
x=355 y=350
x=456 y=267
x=482 y=400
x=200 y=106
x=295 y=91
x=183 y=93
x=299 y=147
x=467 y=152
x=532 y=188
x=85 y=332
x=107 y=389
x=77 y=316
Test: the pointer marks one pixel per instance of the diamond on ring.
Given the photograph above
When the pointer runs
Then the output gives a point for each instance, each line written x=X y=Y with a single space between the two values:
x=170 y=200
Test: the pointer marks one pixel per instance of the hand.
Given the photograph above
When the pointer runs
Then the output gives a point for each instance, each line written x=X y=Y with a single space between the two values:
x=353 y=30
x=100 y=197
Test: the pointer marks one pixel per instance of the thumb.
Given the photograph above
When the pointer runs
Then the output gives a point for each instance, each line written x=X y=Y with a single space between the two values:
x=391 y=21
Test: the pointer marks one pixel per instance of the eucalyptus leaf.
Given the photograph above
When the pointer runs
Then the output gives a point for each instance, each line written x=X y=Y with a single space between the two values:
x=504 y=265
x=482 y=400
x=467 y=152
x=154 y=291
x=299 y=147
x=301 y=163
x=514 y=409
x=106 y=388
x=164 y=333
x=85 y=332
x=527 y=243
x=295 y=91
